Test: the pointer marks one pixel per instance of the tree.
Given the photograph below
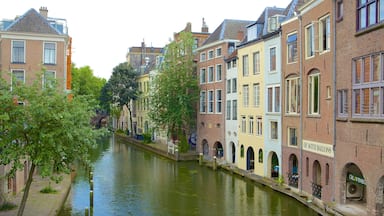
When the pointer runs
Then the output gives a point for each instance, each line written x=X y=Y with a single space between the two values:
x=175 y=90
x=85 y=83
x=45 y=127
x=123 y=87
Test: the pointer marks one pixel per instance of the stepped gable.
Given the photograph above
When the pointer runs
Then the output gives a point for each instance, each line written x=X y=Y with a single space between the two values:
x=32 y=22
x=228 y=29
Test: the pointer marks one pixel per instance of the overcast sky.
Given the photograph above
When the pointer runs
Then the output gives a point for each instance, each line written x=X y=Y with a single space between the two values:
x=102 y=31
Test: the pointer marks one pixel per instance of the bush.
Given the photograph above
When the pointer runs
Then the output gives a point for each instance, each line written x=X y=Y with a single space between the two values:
x=48 y=190
x=147 y=138
x=6 y=206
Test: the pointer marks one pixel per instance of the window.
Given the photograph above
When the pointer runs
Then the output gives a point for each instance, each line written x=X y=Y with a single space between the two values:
x=218 y=72
x=292 y=48
x=260 y=155
x=203 y=75
x=234 y=110
x=339 y=10
x=326 y=174
x=245 y=65
x=203 y=57
x=195 y=43
x=325 y=34
x=251 y=122
x=272 y=59
x=369 y=12
x=292 y=137
x=245 y=95
x=307 y=166
x=210 y=74
x=342 y=103
x=256 y=63
x=49 y=79
x=49 y=53
x=243 y=124
x=229 y=66
x=273 y=99
x=274 y=130
x=218 y=101
x=218 y=52
x=234 y=63
x=18 y=77
x=256 y=95
x=210 y=54
x=18 y=51
x=309 y=41
x=228 y=86
x=234 y=85
x=292 y=97
x=210 y=101
x=259 y=126
x=368 y=86
x=229 y=110
x=314 y=93
x=242 y=151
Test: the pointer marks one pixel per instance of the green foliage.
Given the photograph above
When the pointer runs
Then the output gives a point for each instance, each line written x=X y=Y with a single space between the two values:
x=175 y=89
x=7 y=206
x=48 y=189
x=85 y=83
x=147 y=138
x=49 y=130
x=122 y=85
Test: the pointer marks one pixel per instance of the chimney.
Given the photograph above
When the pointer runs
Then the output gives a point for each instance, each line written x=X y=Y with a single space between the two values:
x=240 y=35
x=44 y=12
x=204 y=28
x=188 y=27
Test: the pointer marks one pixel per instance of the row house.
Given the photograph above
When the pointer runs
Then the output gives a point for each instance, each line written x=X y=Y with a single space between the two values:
x=308 y=104
x=359 y=109
x=142 y=59
x=211 y=69
x=33 y=45
x=145 y=80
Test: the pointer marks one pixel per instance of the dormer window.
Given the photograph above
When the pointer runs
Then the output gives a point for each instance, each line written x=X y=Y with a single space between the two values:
x=252 y=32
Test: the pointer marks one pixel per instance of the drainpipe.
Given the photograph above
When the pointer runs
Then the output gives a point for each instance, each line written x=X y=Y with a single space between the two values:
x=334 y=98
x=301 y=102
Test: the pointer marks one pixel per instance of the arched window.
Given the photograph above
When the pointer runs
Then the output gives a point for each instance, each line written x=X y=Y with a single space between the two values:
x=242 y=151
x=260 y=155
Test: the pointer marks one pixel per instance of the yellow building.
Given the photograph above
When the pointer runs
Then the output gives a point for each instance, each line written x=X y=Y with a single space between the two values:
x=251 y=106
x=142 y=104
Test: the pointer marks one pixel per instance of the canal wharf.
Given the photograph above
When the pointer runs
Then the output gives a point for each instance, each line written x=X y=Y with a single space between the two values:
x=321 y=208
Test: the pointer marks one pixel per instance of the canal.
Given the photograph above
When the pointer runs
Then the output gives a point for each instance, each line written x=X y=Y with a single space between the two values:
x=130 y=181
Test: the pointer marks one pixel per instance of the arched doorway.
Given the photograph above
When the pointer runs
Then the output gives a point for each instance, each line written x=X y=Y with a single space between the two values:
x=355 y=184
x=250 y=159
x=316 y=179
x=205 y=147
x=293 y=175
x=233 y=152
x=274 y=165
x=219 y=150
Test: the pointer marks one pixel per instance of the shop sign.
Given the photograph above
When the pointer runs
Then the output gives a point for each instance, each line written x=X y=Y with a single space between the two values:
x=318 y=148
x=356 y=179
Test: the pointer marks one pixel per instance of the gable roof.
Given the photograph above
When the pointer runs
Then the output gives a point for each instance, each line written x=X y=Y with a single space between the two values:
x=228 y=29
x=32 y=22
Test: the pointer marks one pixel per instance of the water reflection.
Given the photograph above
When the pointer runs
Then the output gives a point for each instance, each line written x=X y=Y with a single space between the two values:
x=129 y=181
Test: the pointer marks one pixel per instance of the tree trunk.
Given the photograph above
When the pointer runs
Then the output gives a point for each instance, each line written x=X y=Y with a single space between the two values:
x=26 y=190
x=130 y=121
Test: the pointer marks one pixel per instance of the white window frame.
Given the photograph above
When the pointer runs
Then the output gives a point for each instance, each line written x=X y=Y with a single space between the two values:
x=203 y=75
x=46 y=78
x=256 y=63
x=243 y=124
x=325 y=33
x=211 y=74
x=259 y=126
x=256 y=95
x=273 y=106
x=17 y=78
x=15 y=57
x=219 y=52
x=229 y=110
x=219 y=101
x=310 y=41
x=245 y=60
x=219 y=72
x=292 y=96
x=251 y=125
x=203 y=57
x=203 y=102
x=272 y=67
x=292 y=54
x=274 y=130
x=211 y=101
x=246 y=95
x=49 y=55
x=292 y=141
x=312 y=93
x=211 y=54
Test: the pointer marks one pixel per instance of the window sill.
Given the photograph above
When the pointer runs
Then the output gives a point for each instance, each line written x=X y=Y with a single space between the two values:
x=49 y=63
x=367 y=120
x=292 y=114
x=342 y=119
x=17 y=62
x=313 y=116
x=369 y=29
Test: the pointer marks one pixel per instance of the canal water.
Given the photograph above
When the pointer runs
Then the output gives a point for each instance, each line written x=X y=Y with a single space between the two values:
x=130 y=181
